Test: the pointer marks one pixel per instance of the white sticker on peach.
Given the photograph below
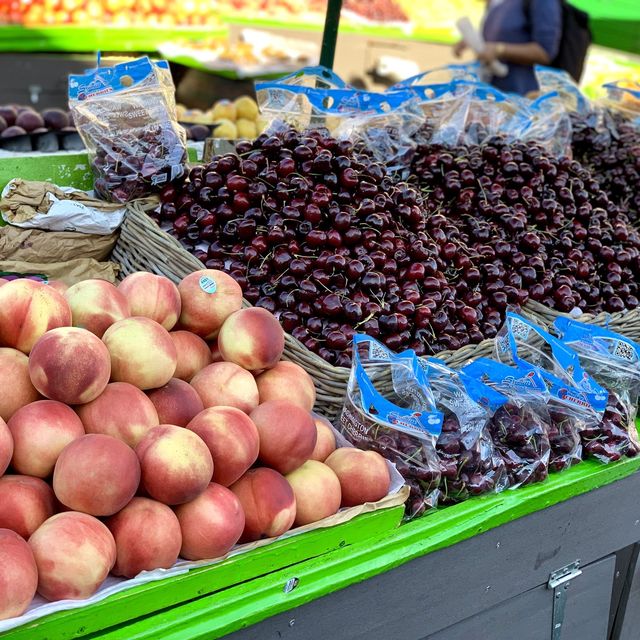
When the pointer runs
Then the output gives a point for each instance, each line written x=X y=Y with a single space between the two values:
x=208 y=285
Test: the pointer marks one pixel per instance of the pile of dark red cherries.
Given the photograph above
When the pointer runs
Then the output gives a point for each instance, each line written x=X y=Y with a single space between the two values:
x=609 y=146
x=325 y=238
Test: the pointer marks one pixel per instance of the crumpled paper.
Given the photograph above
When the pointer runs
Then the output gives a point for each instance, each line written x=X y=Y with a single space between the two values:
x=35 y=245
x=43 y=205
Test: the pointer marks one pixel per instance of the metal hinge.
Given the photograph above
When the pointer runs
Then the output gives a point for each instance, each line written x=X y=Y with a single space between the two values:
x=559 y=581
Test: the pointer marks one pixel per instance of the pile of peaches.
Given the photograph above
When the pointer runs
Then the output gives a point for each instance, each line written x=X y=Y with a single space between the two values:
x=147 y=421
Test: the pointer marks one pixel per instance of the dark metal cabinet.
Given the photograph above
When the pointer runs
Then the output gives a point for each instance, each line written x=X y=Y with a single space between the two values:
x=528 y=616
x=493 y=586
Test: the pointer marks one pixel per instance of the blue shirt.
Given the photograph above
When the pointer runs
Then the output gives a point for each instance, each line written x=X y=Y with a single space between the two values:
x=508 y=22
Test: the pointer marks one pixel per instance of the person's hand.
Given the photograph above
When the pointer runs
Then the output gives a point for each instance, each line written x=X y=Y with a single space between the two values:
x=489 y=54
x=459 y=48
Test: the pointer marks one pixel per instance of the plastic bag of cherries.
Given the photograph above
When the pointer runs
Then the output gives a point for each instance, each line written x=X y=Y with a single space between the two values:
x=126 y=117
x=614 y=362
x=389 y=408
x=469 y=462
x=520 y=425
x=576 y=401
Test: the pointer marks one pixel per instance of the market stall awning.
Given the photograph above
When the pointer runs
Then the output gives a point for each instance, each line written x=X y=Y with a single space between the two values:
x=614 y=23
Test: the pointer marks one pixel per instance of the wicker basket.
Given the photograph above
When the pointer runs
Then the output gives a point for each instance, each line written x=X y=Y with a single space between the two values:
x=143 y=246
x=625 y=322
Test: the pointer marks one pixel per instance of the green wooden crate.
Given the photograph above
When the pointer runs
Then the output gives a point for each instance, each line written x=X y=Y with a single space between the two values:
x=241 y=605
x=155 y=596
x=211 y=602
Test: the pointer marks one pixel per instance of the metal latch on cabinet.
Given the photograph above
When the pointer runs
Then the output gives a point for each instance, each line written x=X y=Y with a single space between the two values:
x=559 y=581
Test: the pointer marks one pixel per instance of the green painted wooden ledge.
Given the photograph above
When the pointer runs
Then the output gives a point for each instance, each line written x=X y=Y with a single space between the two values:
x=155 y=596
x=241 y=605
x=211 y=602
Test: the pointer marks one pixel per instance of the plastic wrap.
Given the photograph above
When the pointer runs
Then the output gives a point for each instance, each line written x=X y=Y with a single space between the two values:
x=614 y=362
x=478 y=113
x=552 y=80
x=545 y=121
x=469 y=462
x=519 y=427
x=383 y=123
x=623 y=97
x=576 y=401
x=389 y=408
x=472 y=72
x=127 y=119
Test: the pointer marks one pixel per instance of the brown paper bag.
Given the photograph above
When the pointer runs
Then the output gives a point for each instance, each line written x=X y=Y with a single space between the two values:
x=68 y=272
x=34 y=245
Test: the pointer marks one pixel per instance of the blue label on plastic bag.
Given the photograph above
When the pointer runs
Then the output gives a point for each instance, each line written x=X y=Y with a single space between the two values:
x=599 y=340
x=409 y=383
x=109 y=80
x=564 y=369
x=520 y=379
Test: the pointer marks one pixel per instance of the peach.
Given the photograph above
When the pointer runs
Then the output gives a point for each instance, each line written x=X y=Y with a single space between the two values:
x=287 y=381
x=176 y=464
x=96 y=305
x=25 y=503
x=58 y=285
x=142 y=352
x=74 y=553
x=3 y=281
x=152 y=296
x=211 y=524
x=29 y=309
x=252 y=338
x=147 y=535
x=364 y=475
x=287 y=434
x=193 y=354
x=176 y=403
x=226 y=384
x=96 y=474
x=70 y=365
x=14 y=375
x=326 y=440
x=317 y=491
x=268 y=502
x=6 y=446
x=19 y=575
x=216 y=356
x=40 y=431
x=208 y=298
x=232 y=439
x=121 y=411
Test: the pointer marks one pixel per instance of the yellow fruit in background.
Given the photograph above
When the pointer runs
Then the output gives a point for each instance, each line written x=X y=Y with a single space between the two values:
x=246 y=107
x=246 y=128
x=224 y=110
x=226 y=129
x=261 y=124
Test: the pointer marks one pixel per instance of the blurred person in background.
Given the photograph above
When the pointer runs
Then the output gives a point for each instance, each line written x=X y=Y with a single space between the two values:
x=521 y=34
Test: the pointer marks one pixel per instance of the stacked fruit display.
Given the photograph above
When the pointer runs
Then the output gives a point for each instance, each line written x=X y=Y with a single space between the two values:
x=123 y=13
x=147 y=421
x=232 y=120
